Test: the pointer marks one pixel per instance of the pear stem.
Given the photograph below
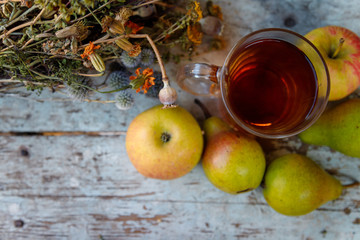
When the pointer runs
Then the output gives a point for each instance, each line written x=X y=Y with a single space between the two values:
x=341 y=43
x=350 y=185
x=203 y=108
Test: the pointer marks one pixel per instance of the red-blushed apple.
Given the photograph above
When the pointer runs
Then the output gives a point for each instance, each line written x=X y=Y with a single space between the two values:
x=164 y=143
x=340 y=49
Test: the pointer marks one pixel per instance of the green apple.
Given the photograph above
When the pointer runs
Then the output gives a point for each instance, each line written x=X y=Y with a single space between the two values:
x=164 y=143
x=340 y=48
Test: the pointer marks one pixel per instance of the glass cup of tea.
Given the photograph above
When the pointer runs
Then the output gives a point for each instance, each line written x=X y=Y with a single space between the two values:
x=274 y=83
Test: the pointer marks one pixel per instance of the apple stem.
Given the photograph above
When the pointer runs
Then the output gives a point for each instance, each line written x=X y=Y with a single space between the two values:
x=203 y=108
x=341 y=43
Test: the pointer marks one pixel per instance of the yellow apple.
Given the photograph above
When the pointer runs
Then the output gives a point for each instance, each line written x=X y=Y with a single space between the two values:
x=340 y=49
x=164 y=143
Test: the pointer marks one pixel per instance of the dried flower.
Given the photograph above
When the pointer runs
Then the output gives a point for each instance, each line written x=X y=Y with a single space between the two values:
x=78 y=31
x=147 y=57
x=124 y=100
x=154 y=90
x=124 y=14
x=77 y=89
x=195 y=11
x=215 y=10
x=26 y=3
x=128 y=61
x=95 y=58
x=194 y=34
x=142 y=81
x=112 y=25
x=132 y=49
x=133 y=26
x=119 y=79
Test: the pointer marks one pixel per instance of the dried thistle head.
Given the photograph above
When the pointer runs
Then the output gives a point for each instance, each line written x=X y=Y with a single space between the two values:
x=77 y=89
x=94 y=57
x=128 y=61
x=78 y=30
x=124 y=14
x=133 y=50
x=124 y=100
x=112 y=25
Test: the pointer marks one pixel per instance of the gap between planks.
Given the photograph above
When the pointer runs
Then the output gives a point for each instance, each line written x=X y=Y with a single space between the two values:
x=65 y=133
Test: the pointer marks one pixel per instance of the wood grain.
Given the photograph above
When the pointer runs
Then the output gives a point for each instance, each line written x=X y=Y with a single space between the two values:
x=65 y=173
x=81 y=187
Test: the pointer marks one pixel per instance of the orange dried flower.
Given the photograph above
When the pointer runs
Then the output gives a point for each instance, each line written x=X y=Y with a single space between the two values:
x=132 y=49
x=195 y=11
x=135 y=51
x=142 y=81
x=133 y=26
x=215 y=11
x=95 y=58
x=194 y=33
x=89 y=50
x=26 y=3
x=112 y=25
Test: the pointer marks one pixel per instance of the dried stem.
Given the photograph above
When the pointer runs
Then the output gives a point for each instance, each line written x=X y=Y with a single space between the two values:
x=158 y=56
x=7 y=1
x=155 y=49
x=144 y=4
x=90 y=74
x=25 y=24
x=89 y=14
x=21 y=16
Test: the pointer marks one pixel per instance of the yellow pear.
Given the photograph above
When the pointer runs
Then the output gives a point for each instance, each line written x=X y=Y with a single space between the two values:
x=338 y=128
x=296 y=185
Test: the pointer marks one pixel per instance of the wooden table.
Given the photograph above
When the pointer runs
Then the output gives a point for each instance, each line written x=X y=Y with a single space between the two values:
x=79 y=183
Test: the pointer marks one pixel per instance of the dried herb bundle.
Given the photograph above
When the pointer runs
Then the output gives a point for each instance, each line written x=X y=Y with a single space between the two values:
x=54 y=44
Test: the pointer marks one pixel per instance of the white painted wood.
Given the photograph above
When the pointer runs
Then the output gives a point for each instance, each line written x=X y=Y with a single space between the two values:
x=80 y=187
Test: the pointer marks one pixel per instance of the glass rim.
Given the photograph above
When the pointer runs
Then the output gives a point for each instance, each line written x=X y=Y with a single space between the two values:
x=313 y=115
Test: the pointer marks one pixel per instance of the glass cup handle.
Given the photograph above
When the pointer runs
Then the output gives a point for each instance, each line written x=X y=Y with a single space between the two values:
x=199 y=79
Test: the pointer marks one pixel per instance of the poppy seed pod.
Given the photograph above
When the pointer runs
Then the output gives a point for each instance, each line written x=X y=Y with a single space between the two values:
x=167 y=95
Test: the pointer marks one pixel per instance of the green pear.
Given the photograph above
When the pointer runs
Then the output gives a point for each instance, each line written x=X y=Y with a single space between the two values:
x=338 y=128
x=232 y=162
x=295 y=185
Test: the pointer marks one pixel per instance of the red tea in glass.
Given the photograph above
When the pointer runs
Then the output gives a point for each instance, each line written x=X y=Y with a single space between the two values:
x=274 y=83
x=271 y=84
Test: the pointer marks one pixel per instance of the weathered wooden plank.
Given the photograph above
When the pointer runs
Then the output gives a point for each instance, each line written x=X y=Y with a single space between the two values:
x=82 y=166
x=120 y=219
x=80 y=187
x=89 y=217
